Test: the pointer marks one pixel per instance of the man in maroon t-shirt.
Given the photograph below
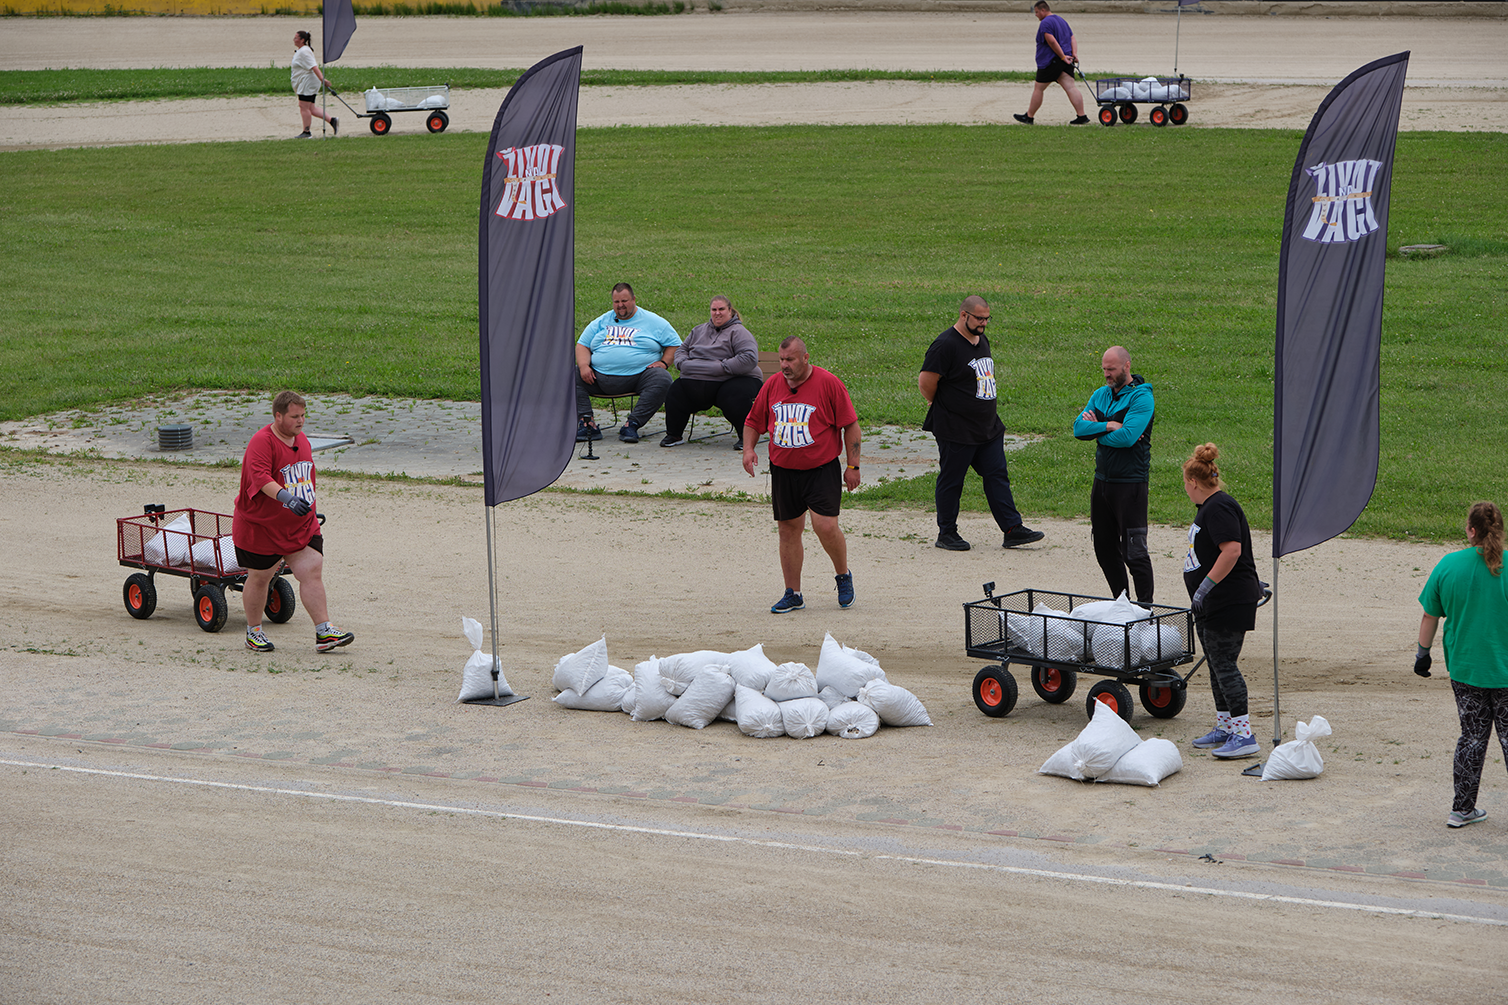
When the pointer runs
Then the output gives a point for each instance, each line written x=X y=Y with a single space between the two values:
x=810 y=419
x=275 y=522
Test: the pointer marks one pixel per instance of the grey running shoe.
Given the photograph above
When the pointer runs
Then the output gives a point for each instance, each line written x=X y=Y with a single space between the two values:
x=257 y=642
x=1462 y=819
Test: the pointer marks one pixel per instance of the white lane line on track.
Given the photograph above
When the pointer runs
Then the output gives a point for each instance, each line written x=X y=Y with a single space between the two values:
x=1071 y=877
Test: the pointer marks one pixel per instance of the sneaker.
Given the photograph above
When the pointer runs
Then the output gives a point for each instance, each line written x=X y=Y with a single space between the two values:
x=335 y=126
x=586 y=429
x=1025 y=120
x=303 y=135
x=1462 y=819
x=1216 y=737
x=1238 y=746
x=738 y=445
x=629 y=433
x=790 y=602
x=1082 y=120
x=845 y=590
x=1021 y=534
x=257 y=642
x=672 y=440
x=332 y=638
x=949 y=540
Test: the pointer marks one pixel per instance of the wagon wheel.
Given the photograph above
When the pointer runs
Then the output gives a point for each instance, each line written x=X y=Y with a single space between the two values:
x=209 y=607
x=1112 y=693
x=1054 y=684
x=1107 y=115
x=140 y=595
x=1158 y=116
x=1128 y=114
x=995 y=691
x=1163 y=700
x=381 y=123
x=437 y=122
x=1178 y=114
x=280 y=601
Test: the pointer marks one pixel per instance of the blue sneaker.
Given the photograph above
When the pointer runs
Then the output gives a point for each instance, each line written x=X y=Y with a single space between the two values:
x=845 y=589
x=790 y=602
x=629 y=433
x=1238 y=746
x=1214 y=738
x=1457 y=819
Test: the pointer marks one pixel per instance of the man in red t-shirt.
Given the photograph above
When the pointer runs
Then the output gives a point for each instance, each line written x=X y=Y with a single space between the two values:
x=810 y=419
x=275 y=522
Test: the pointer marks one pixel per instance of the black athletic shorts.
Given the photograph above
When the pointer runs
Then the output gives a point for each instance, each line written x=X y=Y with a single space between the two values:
x=251 y=560
x=310 y=97
x=1050 y=73
x=793 y=491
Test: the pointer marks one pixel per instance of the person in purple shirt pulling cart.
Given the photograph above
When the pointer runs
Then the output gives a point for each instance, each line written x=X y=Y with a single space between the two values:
x=1057 y=54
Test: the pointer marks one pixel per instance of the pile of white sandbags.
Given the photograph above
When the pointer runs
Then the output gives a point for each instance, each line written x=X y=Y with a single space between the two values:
x=1108 y=750
x=1145 y=89
x=1104 y=632
x=848 y=695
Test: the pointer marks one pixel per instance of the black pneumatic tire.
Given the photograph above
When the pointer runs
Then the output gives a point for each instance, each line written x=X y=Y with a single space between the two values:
x=209 y=607
x=995 y=691
x=1112 y=693
x=436 y=122
x=281 y=602
x=1178 y=114
x=140 y=595
x=1163 y=701
x=1158 y=116
x=381 y=123
x=1054 y=685
x=1107 y=115
x=1128 y=114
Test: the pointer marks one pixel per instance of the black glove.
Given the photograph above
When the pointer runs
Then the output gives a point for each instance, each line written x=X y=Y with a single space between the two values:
x=1422 y=662
x=295 y=505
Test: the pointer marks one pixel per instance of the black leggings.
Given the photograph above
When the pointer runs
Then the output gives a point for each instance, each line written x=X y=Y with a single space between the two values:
x=1480 y=708
x=1222 y=648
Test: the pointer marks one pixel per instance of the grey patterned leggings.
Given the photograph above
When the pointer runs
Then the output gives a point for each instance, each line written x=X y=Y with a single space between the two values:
x=1223 y=649
x=1480 y=708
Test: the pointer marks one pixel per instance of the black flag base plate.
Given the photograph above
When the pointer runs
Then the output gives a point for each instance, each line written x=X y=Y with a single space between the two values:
x=1255 y=770
x=505 y=700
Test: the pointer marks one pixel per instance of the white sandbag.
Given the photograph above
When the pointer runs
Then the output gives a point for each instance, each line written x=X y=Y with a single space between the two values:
x=433 y=101
x=845 y=670
x=758 y=716
x=730 y=710
x=1147 y=763
x=1118 y=93
x=1108 y=644
x=604 y=696
x=170 y=546
x=751 y=667
x=703 y=699
x=804 y=718
x=1025 y=631
x=578 y=671
x=1119 y=611
x=852 y=720
x=202 y=555
x=1141 y=91
x=1063 y=639
x=791 y=680
x=894 y=704
x=376 y=100
x=832 y=697
x=1096 y=749
x=476 y=675
x=650 y=697
x=1298 y=758
x=1155 y=643
x=681 y=669
x=630 y=696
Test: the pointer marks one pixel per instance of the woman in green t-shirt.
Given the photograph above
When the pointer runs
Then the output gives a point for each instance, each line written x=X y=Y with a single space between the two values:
x=1469 y=590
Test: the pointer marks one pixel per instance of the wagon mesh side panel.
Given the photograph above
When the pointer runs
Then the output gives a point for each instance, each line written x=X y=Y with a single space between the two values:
x=402 y=99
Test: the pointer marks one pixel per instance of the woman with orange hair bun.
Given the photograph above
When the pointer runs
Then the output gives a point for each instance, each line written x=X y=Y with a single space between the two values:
x=1221 y=576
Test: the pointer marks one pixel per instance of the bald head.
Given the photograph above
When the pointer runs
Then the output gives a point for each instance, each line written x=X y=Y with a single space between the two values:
x=973 y=315
x=1116 y=366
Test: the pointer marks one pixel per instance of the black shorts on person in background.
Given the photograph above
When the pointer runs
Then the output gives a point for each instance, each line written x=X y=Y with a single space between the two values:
x=310 y=97
x=793 y=491
x=1050 y=73
x=252 y=560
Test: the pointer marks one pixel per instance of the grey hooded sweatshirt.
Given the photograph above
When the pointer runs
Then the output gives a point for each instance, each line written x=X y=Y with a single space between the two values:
x=710 y=353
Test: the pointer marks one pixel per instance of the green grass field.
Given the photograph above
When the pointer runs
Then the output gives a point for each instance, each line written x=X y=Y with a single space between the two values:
x=352 y=267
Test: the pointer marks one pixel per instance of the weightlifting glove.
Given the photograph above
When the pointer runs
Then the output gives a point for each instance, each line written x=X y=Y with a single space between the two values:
x=1202 y=592
x=295 y=505
x=1422 y=662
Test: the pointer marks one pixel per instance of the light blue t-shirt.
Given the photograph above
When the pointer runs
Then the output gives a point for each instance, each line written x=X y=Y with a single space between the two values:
x=624 y=348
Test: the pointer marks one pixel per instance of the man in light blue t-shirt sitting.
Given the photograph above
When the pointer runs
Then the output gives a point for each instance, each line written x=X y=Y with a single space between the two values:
x=625 y=351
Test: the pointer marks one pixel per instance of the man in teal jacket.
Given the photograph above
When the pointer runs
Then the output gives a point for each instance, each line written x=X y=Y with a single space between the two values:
x=1119 y=418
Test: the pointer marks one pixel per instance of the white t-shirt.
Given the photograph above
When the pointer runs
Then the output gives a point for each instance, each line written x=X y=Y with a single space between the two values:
x=304 y=80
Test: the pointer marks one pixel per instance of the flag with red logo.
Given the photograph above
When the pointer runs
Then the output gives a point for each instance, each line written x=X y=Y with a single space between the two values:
x=1327 y=384
x=526 y=282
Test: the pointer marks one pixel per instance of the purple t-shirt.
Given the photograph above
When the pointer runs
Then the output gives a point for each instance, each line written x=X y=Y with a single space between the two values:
x=1058 y=29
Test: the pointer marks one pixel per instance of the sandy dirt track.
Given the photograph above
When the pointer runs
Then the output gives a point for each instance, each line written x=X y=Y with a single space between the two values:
x=1250 y=72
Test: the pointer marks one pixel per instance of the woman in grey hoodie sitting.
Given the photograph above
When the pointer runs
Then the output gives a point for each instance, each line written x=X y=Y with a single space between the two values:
x=719 y=365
